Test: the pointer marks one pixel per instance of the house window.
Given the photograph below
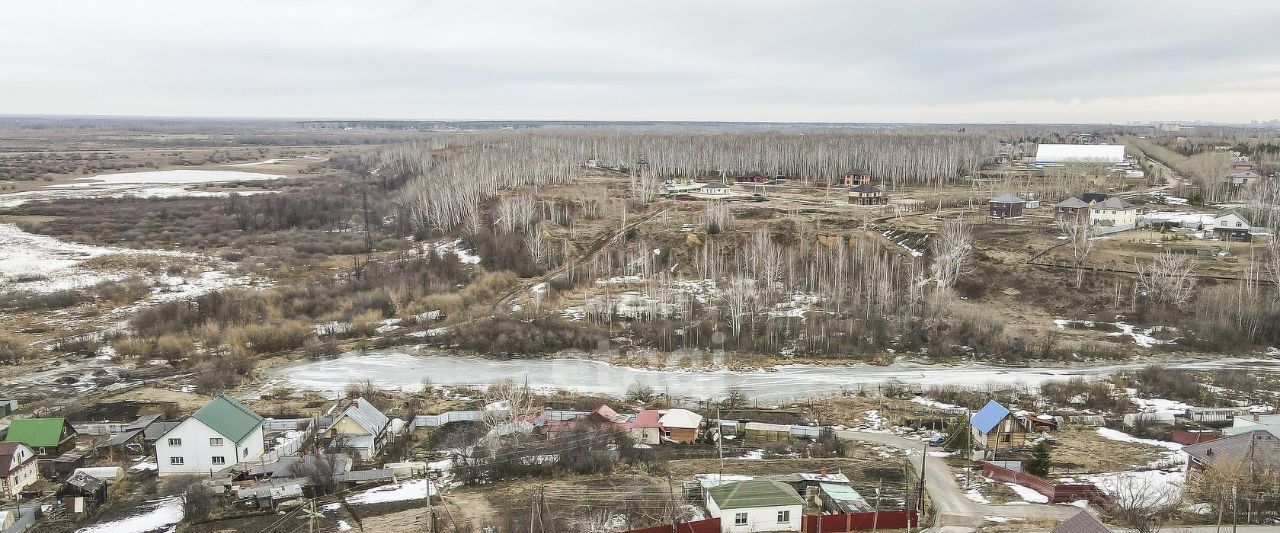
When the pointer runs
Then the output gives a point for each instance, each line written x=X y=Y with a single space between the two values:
x=215 y=441
x=175 y=460
x=740 y=519
x=175 y=442
x=219 y=460
x=784 y=517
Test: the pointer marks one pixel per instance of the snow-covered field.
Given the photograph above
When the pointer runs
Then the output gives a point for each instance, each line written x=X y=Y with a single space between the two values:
x=39 y=263
x=150 y=184
x=158 y=515
x=416 y=489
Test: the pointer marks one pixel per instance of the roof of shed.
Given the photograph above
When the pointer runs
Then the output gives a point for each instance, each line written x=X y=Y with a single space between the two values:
x=991 y=414
x=364 y=414
x=1082 y=522
x=1008 y=198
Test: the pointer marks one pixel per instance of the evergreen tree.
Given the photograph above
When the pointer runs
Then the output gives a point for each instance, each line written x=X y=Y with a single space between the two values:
x=1038 y=463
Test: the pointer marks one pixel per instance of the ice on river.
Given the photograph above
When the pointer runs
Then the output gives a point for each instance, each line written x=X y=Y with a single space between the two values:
x=150 y=184
x=399 y=369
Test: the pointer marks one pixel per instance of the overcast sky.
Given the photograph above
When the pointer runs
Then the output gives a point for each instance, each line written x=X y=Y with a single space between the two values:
x=836 y=61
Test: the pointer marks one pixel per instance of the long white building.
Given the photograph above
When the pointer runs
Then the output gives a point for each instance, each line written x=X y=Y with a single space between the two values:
x=1102 y=154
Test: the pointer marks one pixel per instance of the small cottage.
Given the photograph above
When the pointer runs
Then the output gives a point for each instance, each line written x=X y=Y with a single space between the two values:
x=715 y=189
x=1007 y=205
x=1257 y=448
x=994 y=428
x=18 y=468
x=1071 y=207
x=866 y=194
x=360 y=428
x=49 y=437
x=1231 y=226
x=680 y=425
x=755 y=505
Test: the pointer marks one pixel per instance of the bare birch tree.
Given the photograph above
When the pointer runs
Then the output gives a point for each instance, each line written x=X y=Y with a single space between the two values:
x=1167 y=279
x=952 y=248
x=1080 y=242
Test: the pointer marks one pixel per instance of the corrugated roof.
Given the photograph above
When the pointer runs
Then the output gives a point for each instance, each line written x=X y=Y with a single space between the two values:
x=647 y=418
x=754 y=493
x=365 y=415
x=228 y=418
x=986 y=418
x=1079 y=153
x=840 y=492
x=1072 y=203
x=1114 y=202
x=1008 y=198
x=1260 y=444
x=36 y=432
x=1082 y=522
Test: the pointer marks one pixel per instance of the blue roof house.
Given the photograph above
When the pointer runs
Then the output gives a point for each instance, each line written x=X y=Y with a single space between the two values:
x=994 y=428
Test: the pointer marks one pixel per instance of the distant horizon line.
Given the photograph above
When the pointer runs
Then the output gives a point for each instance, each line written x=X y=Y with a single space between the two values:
x=58 y=116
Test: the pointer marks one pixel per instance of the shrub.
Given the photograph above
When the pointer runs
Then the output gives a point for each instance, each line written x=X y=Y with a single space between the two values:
x=270 y=338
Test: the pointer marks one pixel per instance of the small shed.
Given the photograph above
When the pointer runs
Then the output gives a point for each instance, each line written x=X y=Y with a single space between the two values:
x=82 y=493
x=1007 y=205
x=680 y=425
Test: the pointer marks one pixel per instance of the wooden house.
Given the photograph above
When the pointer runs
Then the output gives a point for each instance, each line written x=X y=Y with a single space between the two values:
x=680 y=425
x=17 y=468
x=994 y=428
x=1007 y=205
x=49 y=437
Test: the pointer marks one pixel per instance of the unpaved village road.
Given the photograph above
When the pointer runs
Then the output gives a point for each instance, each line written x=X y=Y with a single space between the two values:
x=952 y=506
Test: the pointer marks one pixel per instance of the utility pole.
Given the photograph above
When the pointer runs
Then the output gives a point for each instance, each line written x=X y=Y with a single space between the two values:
x=1233 y=508
x=875 y=519
x=431 y=513
x=671 y=493
x=720 y=445
x=920 y=490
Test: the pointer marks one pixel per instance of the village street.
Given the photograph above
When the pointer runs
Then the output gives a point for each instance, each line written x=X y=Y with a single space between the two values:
x=952 y=506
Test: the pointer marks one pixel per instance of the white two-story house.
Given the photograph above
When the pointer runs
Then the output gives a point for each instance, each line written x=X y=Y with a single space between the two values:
x=220 y=434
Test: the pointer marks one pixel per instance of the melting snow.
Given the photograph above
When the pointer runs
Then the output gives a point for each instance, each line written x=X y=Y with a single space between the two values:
x=1027 y=494
x=158 y=514
x=416 y=489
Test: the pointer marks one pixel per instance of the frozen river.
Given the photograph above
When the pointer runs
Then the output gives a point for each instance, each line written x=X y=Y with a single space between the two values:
x=149 y=184
x=398 y=369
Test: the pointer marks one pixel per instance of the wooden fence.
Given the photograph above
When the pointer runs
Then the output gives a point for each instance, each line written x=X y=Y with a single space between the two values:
x=1056 y=492
x=843 y=523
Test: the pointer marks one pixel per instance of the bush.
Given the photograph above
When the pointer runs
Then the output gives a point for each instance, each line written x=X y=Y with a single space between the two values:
x=271 y=338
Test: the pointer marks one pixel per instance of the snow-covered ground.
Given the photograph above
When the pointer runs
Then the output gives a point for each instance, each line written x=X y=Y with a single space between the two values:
x=152 y=516
x=415 y=489
x=149 y=184
x=1027 y=494
x=42 y=264
x=464 y=255
x=1141 y=337
x=1112 y=434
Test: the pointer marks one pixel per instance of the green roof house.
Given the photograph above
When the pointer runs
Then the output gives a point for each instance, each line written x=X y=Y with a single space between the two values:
x=755 y=505
x=48 y=437
x=220 y=434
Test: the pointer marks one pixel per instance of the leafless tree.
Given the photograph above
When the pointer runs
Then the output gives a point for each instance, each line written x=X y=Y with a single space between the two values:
x=1142 y=504
x=505 y=403
x=716 y=217
x=1167 y=279
x=739 y=296
x=1079 y=242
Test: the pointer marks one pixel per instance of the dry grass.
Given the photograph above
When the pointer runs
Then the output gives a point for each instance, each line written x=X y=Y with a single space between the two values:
x=1083 y=450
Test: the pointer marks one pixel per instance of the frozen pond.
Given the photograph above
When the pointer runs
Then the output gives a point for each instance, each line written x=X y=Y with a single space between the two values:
x=398 y=369
x=151 y=184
